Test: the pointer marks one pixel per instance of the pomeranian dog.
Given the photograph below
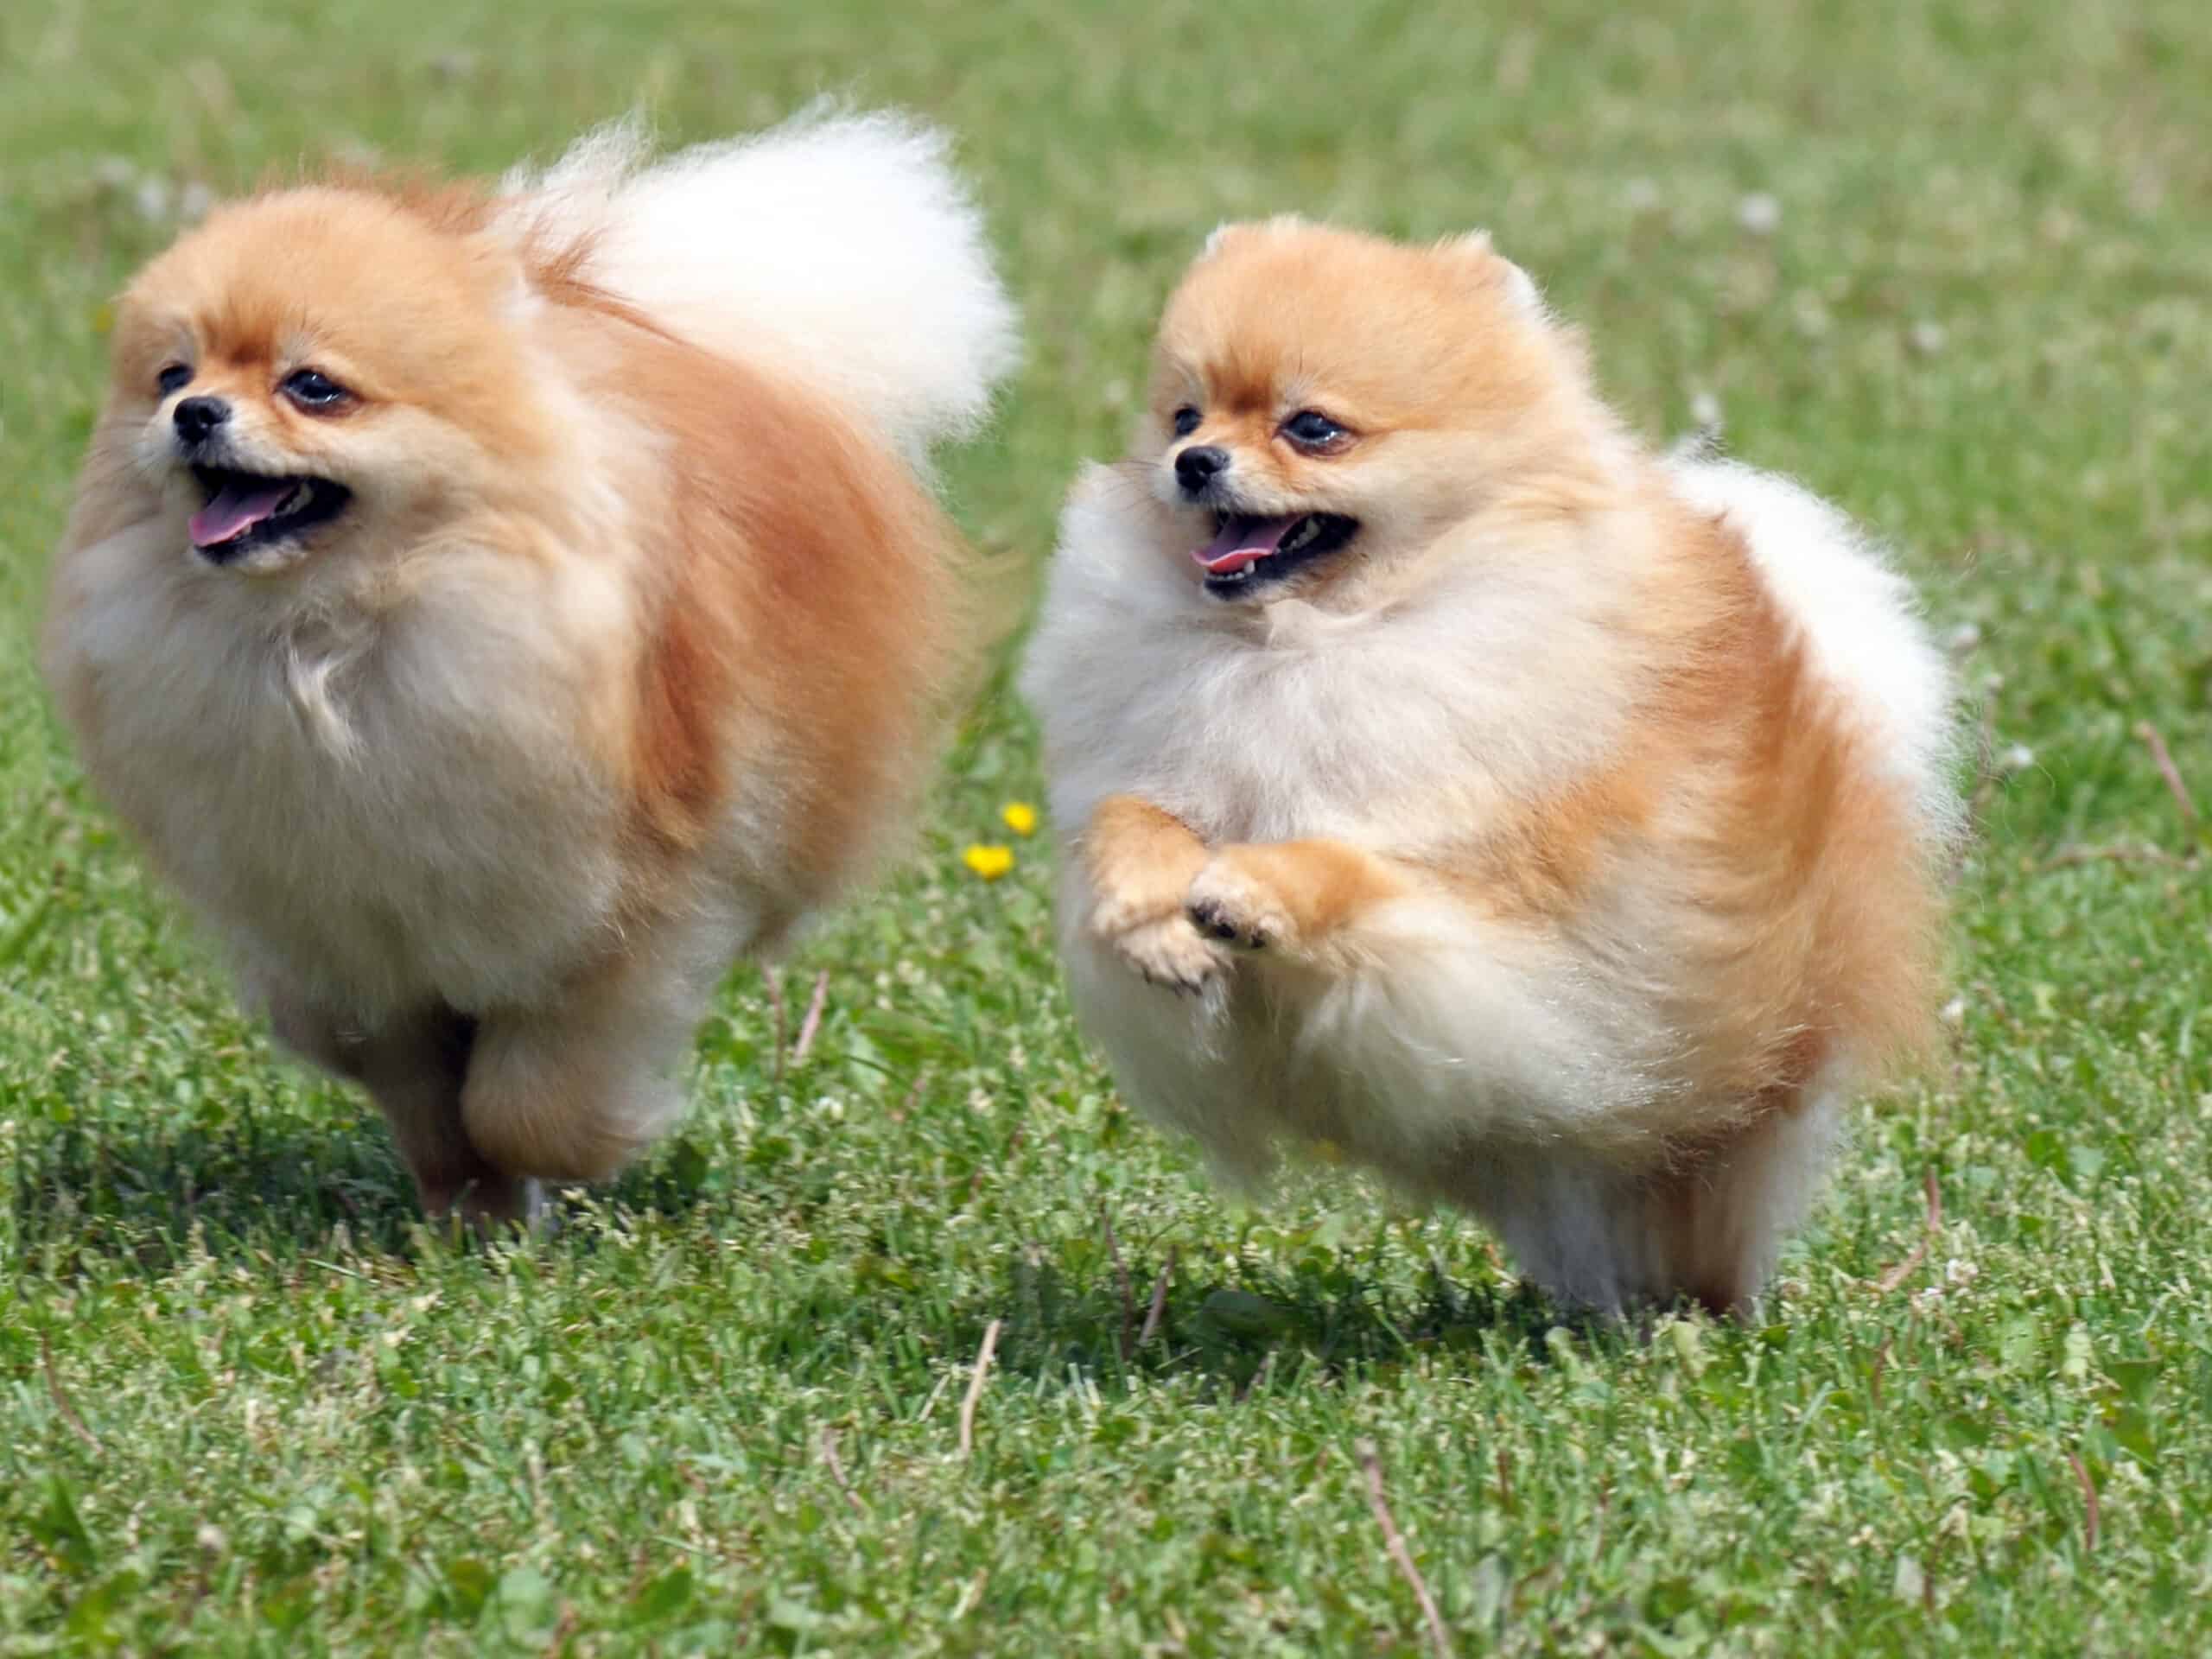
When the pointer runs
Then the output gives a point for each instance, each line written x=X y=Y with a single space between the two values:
x=1555 y=828
x=496 y=608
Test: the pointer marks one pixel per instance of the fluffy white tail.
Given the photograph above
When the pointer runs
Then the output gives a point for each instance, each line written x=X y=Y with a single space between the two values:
x=1857 y=614
x=839 y=249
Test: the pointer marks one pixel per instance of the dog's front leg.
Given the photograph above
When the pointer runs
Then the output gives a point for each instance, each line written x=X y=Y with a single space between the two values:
x=1294 y=900
x=1138 y=861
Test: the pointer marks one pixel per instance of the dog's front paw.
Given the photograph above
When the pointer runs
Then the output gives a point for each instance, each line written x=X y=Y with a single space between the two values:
x=1130 y=894
x=1227 y=903
x=1124 y=907
x=1171 y=953
x=1138 y=861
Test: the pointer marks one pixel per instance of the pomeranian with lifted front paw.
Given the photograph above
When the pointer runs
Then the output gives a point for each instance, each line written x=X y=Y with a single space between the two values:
x=1558 y=829
x=496 y=608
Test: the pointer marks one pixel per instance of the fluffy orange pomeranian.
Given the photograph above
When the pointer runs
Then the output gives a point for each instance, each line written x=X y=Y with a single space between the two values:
x=1556 y=828
x=498 y=608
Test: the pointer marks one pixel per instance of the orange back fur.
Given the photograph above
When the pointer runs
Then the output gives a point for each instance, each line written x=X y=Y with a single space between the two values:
x=1817 y=910
x=808 y=595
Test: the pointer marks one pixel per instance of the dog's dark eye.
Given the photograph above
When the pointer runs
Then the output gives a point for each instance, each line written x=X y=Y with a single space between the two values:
x=1311 y=428
x=1186 y=421
x=174 y=378
x=311 y=389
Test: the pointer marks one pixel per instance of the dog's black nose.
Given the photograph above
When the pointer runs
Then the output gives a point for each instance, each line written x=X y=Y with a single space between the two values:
x=1195 y=467
x=198 y=416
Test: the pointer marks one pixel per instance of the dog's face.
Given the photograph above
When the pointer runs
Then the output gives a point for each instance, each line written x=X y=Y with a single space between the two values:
x=316 y=374
x=1325 y=400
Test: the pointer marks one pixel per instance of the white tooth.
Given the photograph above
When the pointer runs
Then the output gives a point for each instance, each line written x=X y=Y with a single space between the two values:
x=296 y=499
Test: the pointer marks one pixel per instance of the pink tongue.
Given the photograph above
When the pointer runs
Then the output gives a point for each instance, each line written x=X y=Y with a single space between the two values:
x=1242 y=541
x=234 y=511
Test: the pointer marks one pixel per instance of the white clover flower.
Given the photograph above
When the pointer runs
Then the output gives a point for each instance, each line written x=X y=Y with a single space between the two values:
x=1759 y=213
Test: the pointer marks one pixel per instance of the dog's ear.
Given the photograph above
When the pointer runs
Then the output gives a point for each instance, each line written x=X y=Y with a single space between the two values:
x=1236 y=229
x=520 y=285
x=522 y=273
x=1519 y=288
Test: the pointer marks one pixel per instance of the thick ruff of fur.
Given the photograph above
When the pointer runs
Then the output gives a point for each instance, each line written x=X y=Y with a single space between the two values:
x=622 y=650
x=1565 y=843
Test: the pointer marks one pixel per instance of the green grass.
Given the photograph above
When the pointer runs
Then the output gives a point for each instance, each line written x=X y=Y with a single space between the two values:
x=248 y=1404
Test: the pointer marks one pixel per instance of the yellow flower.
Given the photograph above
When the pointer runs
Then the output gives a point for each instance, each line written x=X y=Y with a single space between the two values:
x=989 y=862
x=1020 y=818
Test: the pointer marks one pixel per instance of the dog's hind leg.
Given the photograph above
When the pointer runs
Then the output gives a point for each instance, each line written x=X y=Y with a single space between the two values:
x=569 y=1091
x=413 y=1066
x=1704 y=1228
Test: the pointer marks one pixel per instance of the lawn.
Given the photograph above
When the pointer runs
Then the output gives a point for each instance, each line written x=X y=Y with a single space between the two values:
x=1950 y=263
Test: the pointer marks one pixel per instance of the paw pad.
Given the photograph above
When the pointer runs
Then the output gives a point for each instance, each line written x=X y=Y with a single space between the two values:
x=1215 y=919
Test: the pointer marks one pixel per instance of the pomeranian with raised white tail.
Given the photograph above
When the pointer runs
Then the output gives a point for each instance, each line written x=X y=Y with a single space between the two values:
x=496 y=608
x=1558 y=829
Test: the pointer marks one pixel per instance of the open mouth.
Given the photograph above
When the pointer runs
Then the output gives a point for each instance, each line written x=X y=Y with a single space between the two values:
x=1246 y=553
x=246 y=510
